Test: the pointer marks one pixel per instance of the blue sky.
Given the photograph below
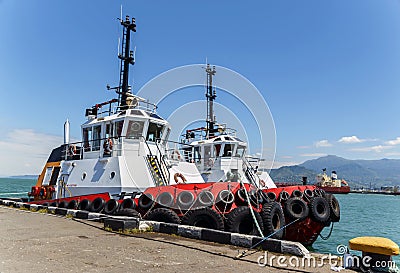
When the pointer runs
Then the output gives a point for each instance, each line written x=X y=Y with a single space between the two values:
x=329 y=70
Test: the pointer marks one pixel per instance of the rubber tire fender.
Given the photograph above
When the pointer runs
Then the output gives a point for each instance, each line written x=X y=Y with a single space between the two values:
x=319 y=209
x=334 y=207
x=204 y=217
x=73 y=204
x=63 y=204
x=296 y=208
x=165 y=199
x=146 y=200
x=111 y=206
x=185 y=200
x=84 y=205
x=163 y=215
x=205 y=199
x=97 y=205
x=128 y=212
x=273 y=220
x=284 y=195
x=241 y=221
x=128 y=203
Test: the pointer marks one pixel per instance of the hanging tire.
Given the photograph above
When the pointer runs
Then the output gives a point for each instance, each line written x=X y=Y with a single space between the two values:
x=308 y=194
x=255 y=197
x=273 y=220
x=84 y=205
x=205 y=199
x=163 y=215
x=185 y=200
x=263 y=197
x=271 y=196
x=296 y=208
x=45 y=204
x=165 y=199
x=73 y=204
x=128 y=203
x=204 y=217
x=297 y=193
x=284 y=195
x=225 y=197
x=334 y=207
x=63 y=204
x=240 y=220
x=319 y=209
x=145 y=201
x=128 y=212
x=241 y=196
x=97 y=205
x=111 y=206
x=53 y=204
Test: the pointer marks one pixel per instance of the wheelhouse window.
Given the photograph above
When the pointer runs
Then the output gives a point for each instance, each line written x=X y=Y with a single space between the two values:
x=228 y=148
x=118 y=128
x=135 y=129
x=87 y=136
x=197 y=154
x=96 y=138
x=154 y=132
x=240 y=151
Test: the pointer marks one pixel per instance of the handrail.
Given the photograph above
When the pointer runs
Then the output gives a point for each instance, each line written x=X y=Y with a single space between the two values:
x=250 y=170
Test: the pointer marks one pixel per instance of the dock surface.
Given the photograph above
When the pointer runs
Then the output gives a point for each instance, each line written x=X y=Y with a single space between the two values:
x=37 y=242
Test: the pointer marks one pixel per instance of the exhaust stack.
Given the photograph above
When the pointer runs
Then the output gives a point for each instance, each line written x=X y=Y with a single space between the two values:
x=66 y=132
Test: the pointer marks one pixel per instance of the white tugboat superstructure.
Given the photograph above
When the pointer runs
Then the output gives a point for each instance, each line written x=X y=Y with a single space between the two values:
x=123 y=146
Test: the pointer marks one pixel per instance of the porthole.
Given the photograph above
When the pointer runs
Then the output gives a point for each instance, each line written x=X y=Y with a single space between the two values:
x=83 y=176
x=112 y=175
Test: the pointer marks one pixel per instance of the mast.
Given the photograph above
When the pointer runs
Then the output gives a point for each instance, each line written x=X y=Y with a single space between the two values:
x=126 y=58
x=211 y=94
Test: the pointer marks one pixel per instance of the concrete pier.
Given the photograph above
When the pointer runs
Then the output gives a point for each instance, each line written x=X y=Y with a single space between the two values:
x=37 y=242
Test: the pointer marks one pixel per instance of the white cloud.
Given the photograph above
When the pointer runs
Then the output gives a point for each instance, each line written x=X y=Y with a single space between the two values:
x=376 y=149
x=393 y=142
x=25 y=151
x=351 y=139
x=313 y=155
x=323 y=143
x=303 y=147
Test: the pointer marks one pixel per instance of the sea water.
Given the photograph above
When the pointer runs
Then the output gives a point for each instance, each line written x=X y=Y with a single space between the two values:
x=361 y=215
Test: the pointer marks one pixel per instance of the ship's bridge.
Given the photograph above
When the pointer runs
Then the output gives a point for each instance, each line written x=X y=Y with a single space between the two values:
x=105 y=136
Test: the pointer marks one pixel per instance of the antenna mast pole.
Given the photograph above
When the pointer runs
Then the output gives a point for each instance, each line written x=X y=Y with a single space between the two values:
x=127 y=58
x=211 y=95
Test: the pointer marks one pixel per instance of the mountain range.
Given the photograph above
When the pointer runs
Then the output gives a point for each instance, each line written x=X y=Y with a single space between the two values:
x=375 y=173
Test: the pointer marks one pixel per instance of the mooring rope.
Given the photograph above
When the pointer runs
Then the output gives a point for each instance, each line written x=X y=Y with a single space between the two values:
x=265 y=238
x=329 y=235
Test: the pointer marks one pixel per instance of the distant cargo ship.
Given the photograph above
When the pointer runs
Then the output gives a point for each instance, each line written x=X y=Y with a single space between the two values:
x=332 y=184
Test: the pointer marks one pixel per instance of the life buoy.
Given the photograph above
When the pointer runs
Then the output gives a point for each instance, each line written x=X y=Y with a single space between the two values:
x=163 y=215
x=273 y=219
x=204 y=217
x=43 y=192
x=108 y=146
x=72 y=150
x=35 y=191
x=210 y=163
x=179 y=175
x=176 y=155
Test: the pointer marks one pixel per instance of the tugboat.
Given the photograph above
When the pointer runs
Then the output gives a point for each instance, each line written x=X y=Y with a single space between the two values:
x=124 y=162
x=332 y=184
